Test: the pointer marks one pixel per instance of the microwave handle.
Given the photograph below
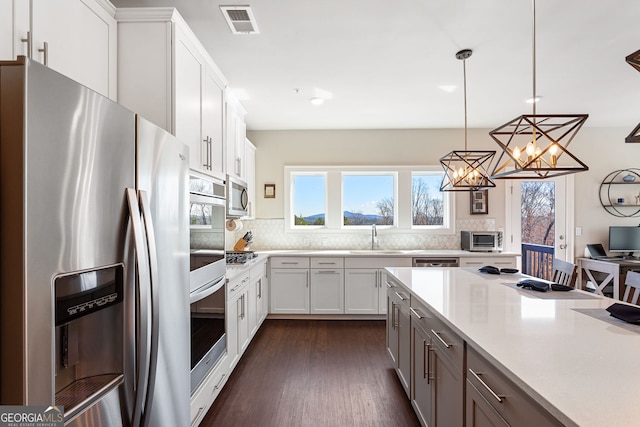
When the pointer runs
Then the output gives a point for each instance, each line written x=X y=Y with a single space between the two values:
x=244 y=199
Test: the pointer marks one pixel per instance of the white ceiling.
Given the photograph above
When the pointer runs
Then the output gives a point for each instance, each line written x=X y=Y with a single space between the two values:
x=382 y=62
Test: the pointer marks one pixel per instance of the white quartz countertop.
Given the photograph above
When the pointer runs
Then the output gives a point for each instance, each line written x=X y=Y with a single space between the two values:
x=389 y=252
x=562 y=348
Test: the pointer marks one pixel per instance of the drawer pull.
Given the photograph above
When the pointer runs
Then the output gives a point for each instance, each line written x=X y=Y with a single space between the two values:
x=400 y=296
x=200 y=409
x=416 y=313
x=485 y=385
x=440 y=338
x=217 y=386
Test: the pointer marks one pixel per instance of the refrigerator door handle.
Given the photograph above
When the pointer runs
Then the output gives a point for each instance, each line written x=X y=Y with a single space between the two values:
x=143 y=344
x=153 y=302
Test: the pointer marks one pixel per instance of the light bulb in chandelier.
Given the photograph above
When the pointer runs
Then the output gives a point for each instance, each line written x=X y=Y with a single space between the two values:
x=553 y=154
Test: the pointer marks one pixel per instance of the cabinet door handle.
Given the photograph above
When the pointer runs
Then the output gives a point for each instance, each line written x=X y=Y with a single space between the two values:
x=485 y=385
x=437 y=335
x=425 y=348
x=206 y=153
x=307 y=274
x=260 y=288
x=45 y=51
x=28 y=42
x=428 y=370
x=415 y=313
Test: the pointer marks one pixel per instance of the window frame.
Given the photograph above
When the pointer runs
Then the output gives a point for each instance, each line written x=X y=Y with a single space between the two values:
x=403 y=215
x=393 y=174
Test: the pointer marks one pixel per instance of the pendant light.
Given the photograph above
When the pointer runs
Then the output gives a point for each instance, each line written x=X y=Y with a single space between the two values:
x=634 y=61
x=466 y=170
x=535 y=145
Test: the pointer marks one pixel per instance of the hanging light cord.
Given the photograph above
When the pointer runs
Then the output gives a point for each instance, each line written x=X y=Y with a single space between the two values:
x=464 y=73
x=534 y=58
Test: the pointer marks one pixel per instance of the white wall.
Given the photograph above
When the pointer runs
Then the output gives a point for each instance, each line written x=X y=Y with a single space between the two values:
x=602 y=149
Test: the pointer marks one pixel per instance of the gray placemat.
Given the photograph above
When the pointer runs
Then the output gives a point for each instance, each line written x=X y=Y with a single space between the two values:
x=602 y=314
x=550 y=294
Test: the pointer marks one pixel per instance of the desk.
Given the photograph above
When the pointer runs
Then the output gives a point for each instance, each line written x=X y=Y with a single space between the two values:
x=611 y=272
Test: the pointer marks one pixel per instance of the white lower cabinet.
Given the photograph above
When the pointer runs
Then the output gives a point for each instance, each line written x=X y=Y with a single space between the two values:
x=289 y=280
x=258 y=298
x=327 y=286
x=327 y=291
x=399 y=335
x=206 y=393
x=365 y=289
x=361 y=291
x=236 y=316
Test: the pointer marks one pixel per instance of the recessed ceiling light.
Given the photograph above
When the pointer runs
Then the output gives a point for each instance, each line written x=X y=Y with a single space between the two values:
x=533 y=100
x=316 y=100
x=448 y=88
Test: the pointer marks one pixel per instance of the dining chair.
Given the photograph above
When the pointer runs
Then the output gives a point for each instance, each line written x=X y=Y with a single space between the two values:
x=632 y=281
x=563 y=272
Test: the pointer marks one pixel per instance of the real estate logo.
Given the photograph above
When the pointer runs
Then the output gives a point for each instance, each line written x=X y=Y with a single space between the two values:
x=31 y=416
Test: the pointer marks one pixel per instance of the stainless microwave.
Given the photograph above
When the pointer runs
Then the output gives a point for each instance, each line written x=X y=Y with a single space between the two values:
x=481 y=241
x=237 y=198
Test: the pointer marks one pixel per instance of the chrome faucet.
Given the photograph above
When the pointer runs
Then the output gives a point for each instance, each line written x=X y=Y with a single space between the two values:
x=374 y=237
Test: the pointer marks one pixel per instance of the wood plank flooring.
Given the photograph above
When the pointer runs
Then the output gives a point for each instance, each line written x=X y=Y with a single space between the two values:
x=314 y=373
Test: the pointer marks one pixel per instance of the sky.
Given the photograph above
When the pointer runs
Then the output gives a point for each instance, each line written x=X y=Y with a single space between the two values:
x=362 y=192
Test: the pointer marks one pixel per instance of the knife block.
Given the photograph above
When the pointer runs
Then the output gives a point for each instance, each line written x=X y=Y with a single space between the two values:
x=240 y=245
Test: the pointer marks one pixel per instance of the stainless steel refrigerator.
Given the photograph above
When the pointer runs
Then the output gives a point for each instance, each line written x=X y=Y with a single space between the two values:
x=94 y=306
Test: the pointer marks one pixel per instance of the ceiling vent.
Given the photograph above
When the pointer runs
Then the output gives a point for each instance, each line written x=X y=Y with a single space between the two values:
x=240 y=19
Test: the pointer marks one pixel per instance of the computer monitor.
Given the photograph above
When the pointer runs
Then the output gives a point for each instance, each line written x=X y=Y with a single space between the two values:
x=624 y=239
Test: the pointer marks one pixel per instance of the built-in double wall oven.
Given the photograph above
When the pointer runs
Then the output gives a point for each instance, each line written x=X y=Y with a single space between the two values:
x=207 y=207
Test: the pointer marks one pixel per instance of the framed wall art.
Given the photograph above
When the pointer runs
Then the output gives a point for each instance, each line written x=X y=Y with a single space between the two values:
x=269 y=191
x=479 y=202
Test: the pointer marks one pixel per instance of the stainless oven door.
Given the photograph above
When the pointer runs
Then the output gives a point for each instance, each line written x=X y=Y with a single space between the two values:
x=208 y=333
x=206 y=235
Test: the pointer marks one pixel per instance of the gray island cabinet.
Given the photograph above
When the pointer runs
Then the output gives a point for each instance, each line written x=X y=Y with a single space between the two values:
x=476 y=350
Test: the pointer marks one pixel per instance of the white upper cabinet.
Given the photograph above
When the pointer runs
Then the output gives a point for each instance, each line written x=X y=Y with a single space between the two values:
x=77 y=38
x=236 y=136
x=14 y=28
x=212 y=123
x=166 y=75
x=250 y=178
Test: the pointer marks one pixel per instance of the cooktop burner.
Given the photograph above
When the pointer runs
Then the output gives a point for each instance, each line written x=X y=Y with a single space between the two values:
x=241 y=257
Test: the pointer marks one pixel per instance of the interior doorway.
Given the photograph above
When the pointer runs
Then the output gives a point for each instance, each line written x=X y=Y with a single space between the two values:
x=539 y=214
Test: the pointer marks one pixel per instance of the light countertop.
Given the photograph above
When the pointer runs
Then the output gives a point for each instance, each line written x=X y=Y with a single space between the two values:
x=388 y=253
x=562 y=348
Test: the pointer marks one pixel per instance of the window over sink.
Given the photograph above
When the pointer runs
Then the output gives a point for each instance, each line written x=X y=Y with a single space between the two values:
x=345 y=199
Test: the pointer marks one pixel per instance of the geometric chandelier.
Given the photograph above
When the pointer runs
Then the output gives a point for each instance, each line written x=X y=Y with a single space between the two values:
x=634 y=61
x=535 y=145
x=466 y=170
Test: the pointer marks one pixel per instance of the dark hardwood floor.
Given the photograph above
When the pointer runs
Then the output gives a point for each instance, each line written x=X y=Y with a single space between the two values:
x=314 y=373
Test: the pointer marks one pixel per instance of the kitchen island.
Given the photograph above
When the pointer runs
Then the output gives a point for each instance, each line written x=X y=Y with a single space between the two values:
x=561 y=351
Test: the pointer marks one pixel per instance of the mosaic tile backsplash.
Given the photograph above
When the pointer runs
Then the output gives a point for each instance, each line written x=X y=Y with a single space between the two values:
x=269 y=235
